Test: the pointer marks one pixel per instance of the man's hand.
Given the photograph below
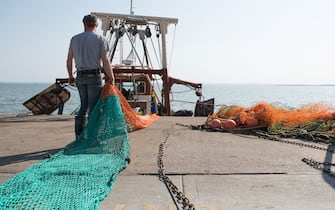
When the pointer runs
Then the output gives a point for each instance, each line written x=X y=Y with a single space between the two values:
x=71 y=81
x=109 y=81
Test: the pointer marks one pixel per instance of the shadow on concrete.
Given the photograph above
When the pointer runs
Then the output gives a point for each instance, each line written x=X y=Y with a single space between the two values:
x=28 y=156
x=21 y=120
x=328 y=160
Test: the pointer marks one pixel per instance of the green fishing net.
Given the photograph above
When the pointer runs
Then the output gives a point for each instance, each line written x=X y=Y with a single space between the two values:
x=82 y=174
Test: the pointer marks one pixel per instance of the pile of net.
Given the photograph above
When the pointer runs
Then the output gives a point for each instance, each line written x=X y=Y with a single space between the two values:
x=313 y=121
x=83 y=173
x=133 y=120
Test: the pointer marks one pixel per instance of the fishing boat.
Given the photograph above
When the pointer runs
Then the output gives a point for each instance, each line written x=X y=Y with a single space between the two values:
x=142 y=74
x=138 y=54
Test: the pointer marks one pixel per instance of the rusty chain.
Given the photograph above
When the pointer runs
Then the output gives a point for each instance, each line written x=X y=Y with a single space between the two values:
x=264 y=135
x=177 y=196
x=319 y=166
x=311 y=162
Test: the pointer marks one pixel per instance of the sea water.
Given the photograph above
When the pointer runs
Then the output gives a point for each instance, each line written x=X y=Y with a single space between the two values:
x=13 y=95
x=246 y=95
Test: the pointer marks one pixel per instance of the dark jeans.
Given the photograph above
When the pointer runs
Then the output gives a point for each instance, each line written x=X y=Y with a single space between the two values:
x=89 y=88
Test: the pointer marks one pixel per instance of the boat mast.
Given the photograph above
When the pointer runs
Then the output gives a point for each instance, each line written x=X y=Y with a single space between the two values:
x=131 y=8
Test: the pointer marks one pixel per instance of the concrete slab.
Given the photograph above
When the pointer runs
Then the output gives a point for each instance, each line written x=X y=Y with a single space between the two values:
x=140 y=192
x=28 y=139
x=215 y=170
x=219 y=192
x=240 y=192
x=225 y=153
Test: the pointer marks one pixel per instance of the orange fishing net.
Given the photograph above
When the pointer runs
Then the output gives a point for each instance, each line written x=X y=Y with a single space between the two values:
x=133 y=120
x=264 y=114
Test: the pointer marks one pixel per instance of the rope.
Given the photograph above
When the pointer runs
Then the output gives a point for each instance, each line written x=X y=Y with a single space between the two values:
x=184 y=91
x=158 y=61
x=134 y=49
x=174 y=37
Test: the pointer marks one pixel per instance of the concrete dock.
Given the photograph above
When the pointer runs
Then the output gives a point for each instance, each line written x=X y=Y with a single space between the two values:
x=215 y=170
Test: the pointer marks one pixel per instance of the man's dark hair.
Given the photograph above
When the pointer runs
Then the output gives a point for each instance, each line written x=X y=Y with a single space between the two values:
x=90 y=20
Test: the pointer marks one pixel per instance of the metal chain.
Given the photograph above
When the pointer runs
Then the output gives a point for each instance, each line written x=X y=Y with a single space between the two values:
x=313 y=163
x=260 y=134
x=183 y=125
x=175 y=193
x=319 y=166
x=263 y=135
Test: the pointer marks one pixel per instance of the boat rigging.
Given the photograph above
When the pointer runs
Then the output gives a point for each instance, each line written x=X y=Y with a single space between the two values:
x=135 y=33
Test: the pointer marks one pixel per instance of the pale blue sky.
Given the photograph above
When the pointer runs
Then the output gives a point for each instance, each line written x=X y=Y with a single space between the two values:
x=217 y=41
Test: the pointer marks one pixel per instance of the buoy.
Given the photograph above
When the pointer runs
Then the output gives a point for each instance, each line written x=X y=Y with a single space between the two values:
x=229 y=124
x=251 y=122
x=216 y=123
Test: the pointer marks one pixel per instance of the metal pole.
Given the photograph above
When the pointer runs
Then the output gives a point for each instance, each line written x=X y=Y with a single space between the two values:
x=131 y=7
x=166 y=83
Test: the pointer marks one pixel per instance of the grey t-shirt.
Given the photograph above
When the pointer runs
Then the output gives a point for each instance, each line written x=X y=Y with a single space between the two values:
x=87 y=48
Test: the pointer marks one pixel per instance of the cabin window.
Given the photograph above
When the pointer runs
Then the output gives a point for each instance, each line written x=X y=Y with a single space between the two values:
x=128 y=86
x=128 y=89
x=140 y=88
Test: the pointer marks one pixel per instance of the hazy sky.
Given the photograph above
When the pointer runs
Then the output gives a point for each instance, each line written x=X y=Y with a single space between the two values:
x=217 y=41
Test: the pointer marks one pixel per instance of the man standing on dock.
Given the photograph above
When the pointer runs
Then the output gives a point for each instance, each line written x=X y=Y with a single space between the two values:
x=88 y=50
